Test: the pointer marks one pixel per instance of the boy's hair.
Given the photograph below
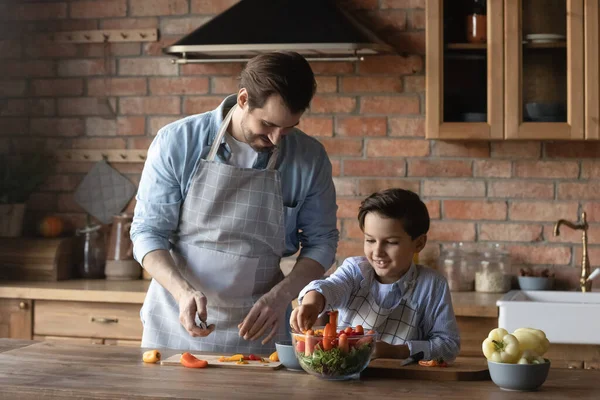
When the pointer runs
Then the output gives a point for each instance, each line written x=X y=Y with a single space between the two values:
x=287 y=74
x=399 y=204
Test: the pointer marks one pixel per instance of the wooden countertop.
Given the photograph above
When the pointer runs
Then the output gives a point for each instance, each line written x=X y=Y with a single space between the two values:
x=65 y=371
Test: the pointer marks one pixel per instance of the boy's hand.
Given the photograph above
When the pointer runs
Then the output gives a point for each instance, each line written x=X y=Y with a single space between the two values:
x=303 y=317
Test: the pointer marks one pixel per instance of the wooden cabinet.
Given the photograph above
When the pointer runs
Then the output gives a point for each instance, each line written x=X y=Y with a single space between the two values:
x=533 y=76
x=15 y=318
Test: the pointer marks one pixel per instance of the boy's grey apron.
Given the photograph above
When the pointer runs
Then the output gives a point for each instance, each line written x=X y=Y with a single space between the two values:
x=394 y=325
x=229 y=245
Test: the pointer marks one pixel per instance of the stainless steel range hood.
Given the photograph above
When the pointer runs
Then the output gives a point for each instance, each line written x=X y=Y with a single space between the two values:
x=318 y=29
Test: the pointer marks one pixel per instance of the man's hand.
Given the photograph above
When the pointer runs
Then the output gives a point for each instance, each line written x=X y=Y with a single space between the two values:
x=266 y=314
x=304 y=317
x=190 y=303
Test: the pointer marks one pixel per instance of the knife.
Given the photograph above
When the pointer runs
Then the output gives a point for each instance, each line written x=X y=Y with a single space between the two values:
x=201 y=324
x=413 y=358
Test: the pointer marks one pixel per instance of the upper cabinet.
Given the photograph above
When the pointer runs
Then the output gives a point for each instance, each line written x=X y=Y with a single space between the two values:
x=512 y=69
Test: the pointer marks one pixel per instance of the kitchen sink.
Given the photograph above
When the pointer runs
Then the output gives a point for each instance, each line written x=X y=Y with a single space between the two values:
x=565 y=317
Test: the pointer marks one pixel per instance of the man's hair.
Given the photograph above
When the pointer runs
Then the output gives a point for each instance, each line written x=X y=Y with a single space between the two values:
x=287 y=74
x=399 y=204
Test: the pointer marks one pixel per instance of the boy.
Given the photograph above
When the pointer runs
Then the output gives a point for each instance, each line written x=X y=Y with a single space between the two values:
x=408 y=305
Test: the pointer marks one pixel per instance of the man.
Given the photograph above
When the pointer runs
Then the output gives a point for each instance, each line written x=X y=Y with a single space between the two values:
x=223 y=196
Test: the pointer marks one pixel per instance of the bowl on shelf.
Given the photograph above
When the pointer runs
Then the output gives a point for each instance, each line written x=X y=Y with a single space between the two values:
x=474 y=117
x=536 y=282
x=334 y=361
x=519 y=377
x=287 y=356
x=546 y=112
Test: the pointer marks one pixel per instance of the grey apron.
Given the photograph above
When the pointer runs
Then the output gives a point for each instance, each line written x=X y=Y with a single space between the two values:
x=229 y=244
x=394 y=325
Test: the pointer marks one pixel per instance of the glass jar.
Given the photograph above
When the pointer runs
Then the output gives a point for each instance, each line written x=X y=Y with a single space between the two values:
x=458 y=264
x=477 y=23
x=493 y=275
x=94 y=252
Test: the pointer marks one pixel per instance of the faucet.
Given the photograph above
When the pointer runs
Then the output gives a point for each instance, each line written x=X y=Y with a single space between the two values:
x=585 y=280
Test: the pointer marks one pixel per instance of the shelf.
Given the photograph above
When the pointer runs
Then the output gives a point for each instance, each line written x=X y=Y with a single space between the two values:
x=483 y=46
x=118 y=156
x=106 y=35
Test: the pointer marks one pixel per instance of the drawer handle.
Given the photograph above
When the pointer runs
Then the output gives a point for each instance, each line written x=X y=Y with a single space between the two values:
x=105 y=320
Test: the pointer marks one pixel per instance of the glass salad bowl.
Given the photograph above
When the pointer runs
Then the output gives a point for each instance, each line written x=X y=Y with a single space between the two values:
x=340 y=355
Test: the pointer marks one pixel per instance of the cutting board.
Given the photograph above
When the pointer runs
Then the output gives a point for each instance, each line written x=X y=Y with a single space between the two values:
x=463 y=369
x=213 y=361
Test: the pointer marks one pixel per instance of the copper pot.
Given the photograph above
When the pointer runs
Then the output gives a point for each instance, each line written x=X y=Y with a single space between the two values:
x=120 y=246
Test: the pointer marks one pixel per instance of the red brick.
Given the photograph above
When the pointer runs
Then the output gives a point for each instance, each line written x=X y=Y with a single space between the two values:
x=542 y=211
x=25 y=144
x=332 y=104
x=407 y=127
x=73 y=167
x=57 y=87
x=594 y=257
x=493 y=168
x=332 y=68
x=179 y=85
x=85 y=67
x=61 y=183
x=64 y=25
x=573 y=150
x=430 y=254
x=368 y=186
x=433 y=207
x=540 y=255
x=445 y=168
x=410 y=42
x=144 y=8
x=416 y=20
x=518 y=150
x=10 y=48
x=142 y=143
x=131 y=126
x=593 y=211
x=546 y=169
x=98 y=143
x=156 y=123
x=349 y=248
x=41 y=47
x=4 y=144
x=451 y=231
x=98 y=9
x=521 y=190
x=511 y=232
x=84 y=106
x=129 y=168
x=342 y=147
x=156 y=48
x=361 y=126
x=390 y=105
x=101 y=126
x=146 y=66
x=181 y=26
x=37 y=11
x=13 y=88
x=117 y=86
x=377 y=168
x=579 y=191
x=403 y=4
x=10 y=126
x=571 y=236
x=392 y=65
x=316 y=126
x=63 y=127
x=388 y=20
x=211 y=6
x=359 y=4
x=42 y=202
x=351 y=230
x=590 y=170
x=223 y=85
x=150 y=105
x=28 y=69
x=336 y=166
x=215 y=69
x=99 y=50
x=475 y=210
x=371 y=84
x=414 y=84
x=453 y=188
x=461 y=149
x=200 y=104
x=348 y=208
x=326 y=84
x=23 y=107
x=129 y=23
x=397 y=148
x=345 y=186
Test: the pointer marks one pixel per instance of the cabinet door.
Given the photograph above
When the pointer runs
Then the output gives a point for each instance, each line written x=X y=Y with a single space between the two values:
x=544 y=93
x=464 y=75
x=15 y=319
x=592 y=73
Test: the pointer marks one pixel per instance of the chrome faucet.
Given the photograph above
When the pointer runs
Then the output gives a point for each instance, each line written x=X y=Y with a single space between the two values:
x=585 y=280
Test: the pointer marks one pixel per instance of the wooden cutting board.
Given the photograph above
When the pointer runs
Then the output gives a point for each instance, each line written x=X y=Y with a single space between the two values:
x=463 y=369
x=213 y=361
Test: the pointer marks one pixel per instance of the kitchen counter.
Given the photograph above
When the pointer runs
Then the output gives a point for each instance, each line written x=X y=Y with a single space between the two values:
x=66 y=371
x=466 y=304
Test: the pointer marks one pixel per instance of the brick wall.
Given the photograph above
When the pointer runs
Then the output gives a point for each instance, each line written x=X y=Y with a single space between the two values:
x=369 y=116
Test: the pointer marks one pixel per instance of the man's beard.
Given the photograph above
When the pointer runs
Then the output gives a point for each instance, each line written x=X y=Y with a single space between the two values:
x=253 y=138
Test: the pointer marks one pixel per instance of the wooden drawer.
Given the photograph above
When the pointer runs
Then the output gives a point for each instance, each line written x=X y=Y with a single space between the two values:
x=83 y=319
x=66 y=339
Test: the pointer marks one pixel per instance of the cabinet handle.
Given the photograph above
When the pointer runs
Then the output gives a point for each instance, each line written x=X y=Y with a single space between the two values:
x=105 y=320
x=572 y=367
x=23 y=305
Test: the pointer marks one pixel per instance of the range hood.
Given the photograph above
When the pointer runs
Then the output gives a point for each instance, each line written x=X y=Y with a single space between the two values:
x=318 y=29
